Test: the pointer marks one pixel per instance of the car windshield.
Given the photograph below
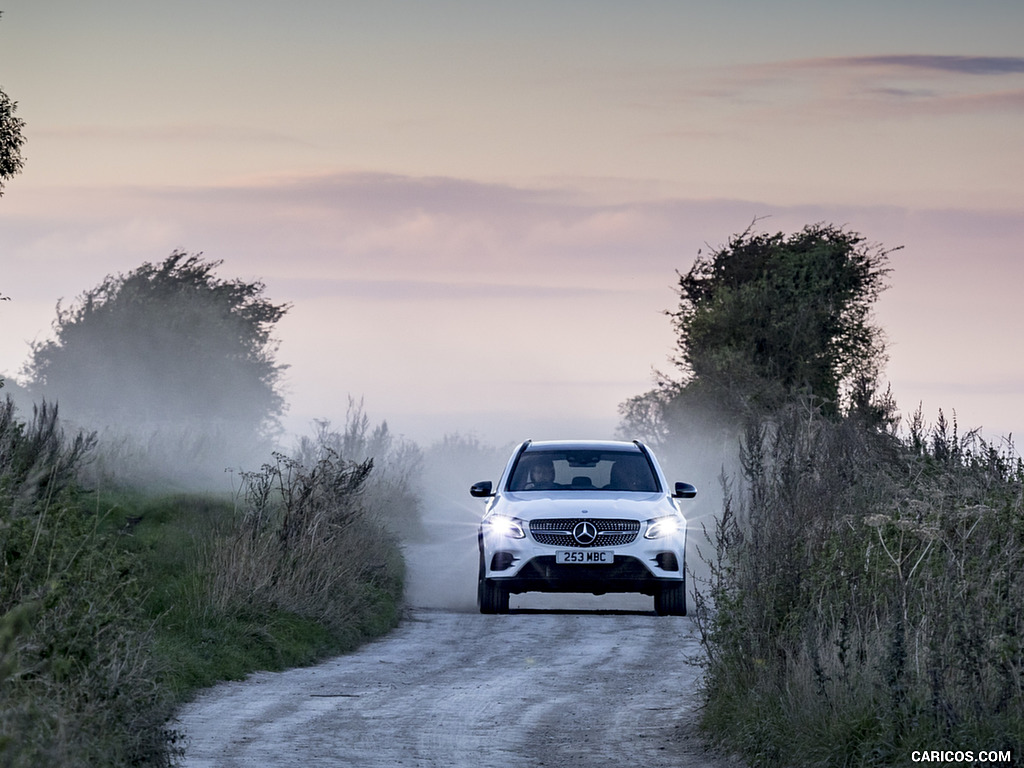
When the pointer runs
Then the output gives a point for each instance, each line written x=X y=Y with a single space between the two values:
x=583 y=470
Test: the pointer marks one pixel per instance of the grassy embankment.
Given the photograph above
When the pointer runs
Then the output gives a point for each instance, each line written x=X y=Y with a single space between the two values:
x=867 y=596
x=115 y=608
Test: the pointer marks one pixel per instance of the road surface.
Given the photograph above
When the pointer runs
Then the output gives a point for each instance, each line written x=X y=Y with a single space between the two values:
x=451 y=689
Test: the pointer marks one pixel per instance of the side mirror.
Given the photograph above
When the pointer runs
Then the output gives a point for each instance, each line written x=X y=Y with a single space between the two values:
x=684 y=491
x=481 y=490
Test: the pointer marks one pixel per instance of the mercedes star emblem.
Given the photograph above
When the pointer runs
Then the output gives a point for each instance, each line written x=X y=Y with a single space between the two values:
x=585 y=532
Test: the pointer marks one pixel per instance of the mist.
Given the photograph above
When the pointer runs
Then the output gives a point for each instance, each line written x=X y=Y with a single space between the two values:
x=173 y=367
x=153 y=364
x=146 y=442
x=442 y=562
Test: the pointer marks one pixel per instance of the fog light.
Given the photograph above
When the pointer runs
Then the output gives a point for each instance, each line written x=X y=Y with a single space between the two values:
x=502 y=560
x=667 y=561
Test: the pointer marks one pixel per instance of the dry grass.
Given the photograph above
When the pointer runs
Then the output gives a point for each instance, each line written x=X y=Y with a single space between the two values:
x=304 y=541
x=862 y=599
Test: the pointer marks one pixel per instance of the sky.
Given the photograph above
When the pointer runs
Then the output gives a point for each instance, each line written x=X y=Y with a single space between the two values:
x=477 y=209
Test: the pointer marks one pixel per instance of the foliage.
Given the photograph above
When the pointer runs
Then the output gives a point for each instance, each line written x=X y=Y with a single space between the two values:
x=861 y=602
x=771 y=311
x=163 y=342
x=12 y=139
x=302 y=542
x=175 y=365
x=114 y=608
x=37 y=462
x=392 y=490
x=200 y=636
x=768 y=317
x=298 y=564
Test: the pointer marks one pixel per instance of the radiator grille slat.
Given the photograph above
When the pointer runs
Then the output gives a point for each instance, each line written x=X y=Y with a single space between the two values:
x=610 y=533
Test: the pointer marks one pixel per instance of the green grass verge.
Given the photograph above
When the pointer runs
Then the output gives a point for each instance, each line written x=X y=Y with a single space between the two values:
x=197 y=645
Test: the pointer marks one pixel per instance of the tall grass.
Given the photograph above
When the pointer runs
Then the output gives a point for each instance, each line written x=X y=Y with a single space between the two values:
x=77 y=682
x=863 y=599
x=302 y=542
x=297 y=564
x=116 y=606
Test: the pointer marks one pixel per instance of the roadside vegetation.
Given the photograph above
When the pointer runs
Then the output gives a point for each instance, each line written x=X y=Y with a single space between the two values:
x=863 y=603
x=115 y=607
x=124 y=586
x=77 y=670
x=863 y=599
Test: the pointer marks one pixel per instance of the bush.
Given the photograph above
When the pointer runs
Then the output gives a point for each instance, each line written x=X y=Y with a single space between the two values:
x=302 y=542
x=174 y=364
x=390 y=493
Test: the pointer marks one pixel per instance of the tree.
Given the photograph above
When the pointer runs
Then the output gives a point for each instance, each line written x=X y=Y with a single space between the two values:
x=166 y=344
x=11 y=139
x=768 y=317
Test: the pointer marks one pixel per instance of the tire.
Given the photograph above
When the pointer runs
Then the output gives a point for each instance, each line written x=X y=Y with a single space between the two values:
x=493 y=596
x=670 y=600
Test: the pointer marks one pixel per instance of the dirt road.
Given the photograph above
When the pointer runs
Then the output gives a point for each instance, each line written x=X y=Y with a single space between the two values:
x=460 y=690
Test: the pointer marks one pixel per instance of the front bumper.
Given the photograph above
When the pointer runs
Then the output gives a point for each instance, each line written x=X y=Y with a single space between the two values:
x=524 y=565
x=626 y=574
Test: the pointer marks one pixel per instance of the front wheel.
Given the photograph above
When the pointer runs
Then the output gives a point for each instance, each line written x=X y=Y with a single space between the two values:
x=493 y=596
x=670 y=600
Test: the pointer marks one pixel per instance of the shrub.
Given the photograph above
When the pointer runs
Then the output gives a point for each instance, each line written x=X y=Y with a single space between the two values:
x=303 y=542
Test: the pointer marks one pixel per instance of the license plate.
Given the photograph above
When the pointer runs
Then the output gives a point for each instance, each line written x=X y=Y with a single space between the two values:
x=584 y=557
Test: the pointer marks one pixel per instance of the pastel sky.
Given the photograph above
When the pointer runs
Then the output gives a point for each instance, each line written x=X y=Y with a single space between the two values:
x=477 y=209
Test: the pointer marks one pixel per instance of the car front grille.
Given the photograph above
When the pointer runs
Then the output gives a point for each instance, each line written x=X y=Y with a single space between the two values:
x=559 y=532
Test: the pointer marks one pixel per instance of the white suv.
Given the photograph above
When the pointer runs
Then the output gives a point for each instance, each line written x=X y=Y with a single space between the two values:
x=582 y=516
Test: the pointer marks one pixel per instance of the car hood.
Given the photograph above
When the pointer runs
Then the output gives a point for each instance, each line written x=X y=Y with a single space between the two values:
x=538 y=505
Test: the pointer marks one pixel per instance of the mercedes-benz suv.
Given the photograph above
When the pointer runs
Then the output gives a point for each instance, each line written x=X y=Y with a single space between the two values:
x=582 y=516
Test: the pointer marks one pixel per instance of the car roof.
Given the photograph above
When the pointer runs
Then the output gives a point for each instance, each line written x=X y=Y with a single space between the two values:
x=582 y=445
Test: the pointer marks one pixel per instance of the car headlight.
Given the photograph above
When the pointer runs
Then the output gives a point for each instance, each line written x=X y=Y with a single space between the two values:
x=660 y=527
x=509 y=527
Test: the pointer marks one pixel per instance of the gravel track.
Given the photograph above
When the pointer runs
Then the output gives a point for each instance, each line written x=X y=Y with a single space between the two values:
x=460 y=690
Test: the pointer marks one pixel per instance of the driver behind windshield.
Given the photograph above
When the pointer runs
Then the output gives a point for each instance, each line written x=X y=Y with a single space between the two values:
x=541 y=476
